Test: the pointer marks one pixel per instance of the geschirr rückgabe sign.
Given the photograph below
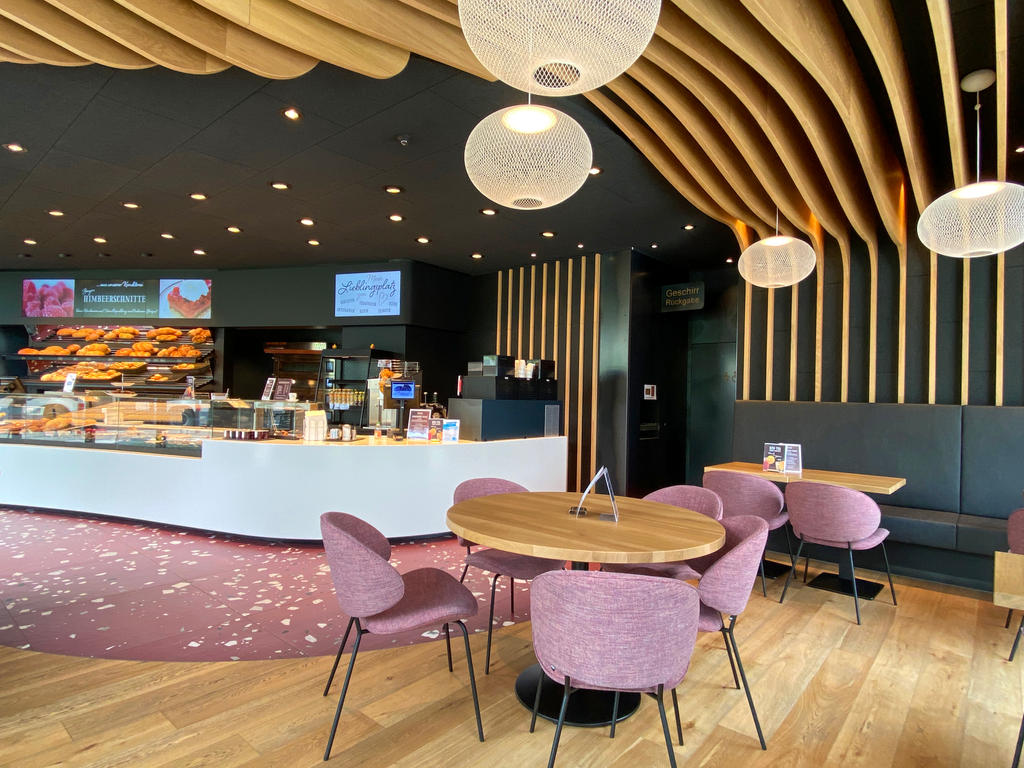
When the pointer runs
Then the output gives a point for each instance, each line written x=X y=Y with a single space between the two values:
x=682 y=296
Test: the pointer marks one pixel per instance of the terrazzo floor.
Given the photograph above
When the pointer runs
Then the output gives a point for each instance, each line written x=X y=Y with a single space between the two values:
x=109 y=589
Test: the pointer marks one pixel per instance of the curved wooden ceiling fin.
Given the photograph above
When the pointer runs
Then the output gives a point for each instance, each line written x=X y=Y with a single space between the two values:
x=764 y=104
x=13 y=58
x=439 y=9
x=822 y=49
x=23 y=42
x=313 y=35
x=644 y=139
x=79 y=39
x=397 y=24
x=942 y=30
x=221 y=38
x=108 y=18
x=683 y=146
x=877 y=24
x=729 y=22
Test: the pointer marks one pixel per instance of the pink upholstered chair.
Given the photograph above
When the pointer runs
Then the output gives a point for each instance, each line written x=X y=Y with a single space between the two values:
x=691 y=497
x=743 y=494
x=833 y=516
x=1015 y=538
x=613 y=632
x=383 y=601
x=499 y=562
x=724 y=590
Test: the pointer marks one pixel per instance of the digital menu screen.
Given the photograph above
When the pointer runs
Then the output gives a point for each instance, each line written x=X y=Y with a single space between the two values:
x=367 y=294
x=116 y=298
x=48 y=298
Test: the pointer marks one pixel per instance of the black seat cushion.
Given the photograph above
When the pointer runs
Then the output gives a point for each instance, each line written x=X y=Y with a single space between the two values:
x=928 y=527
x=981 y=535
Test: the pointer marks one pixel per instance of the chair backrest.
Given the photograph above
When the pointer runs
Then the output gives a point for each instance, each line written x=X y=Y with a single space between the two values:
x=616 y=631
x=483 y=486
x=726 y=584
x=689 y=497
x=357 y=553
x=743 y=494
x=831 y=512
x=1015 y=531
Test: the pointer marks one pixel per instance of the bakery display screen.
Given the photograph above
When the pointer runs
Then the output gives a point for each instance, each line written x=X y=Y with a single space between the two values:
x=367 y=294
x=189 y=299
x=48 y=298
x=170 y=298
x=402 y=389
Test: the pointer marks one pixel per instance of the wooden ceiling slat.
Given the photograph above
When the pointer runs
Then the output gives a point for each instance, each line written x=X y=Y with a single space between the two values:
x=942 y=31
x=771 y=114
x=128 y=31
x=65 y=31
x=222 y=38
x=13 y=58
x=313 y=35
x=875 y=20
x=730 y=23
x=398 y=24
x=1002 y=87
x=811 y=32
x=439 y=9
x=28 y=44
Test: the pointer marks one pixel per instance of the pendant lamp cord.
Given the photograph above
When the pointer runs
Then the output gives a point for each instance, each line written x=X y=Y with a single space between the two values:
x=977 y=132
x=776 y=221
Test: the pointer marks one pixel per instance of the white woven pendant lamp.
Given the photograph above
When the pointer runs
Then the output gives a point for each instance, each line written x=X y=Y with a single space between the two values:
x=776 y=262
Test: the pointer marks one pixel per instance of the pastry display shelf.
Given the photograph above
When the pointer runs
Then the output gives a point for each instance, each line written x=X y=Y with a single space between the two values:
x=73 y=358
x=128 y=383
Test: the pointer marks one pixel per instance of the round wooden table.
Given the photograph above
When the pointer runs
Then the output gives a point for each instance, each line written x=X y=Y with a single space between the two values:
x=540 y=524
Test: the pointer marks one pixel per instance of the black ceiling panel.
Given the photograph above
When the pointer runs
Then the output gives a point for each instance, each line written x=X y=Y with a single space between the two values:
x=185 y=171
x=82 y=175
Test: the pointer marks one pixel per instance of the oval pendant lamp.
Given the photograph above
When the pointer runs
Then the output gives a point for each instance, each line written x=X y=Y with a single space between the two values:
x=776 y=261
x=978 y=219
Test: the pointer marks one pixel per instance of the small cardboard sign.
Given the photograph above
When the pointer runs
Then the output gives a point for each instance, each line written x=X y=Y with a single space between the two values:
x=268 y=388
x=450 y=431
x=419 y=424
x=282 y=388
x=785 y=458
x=69 y=382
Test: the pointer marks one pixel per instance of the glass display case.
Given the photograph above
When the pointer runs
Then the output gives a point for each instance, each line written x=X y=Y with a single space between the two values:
x=124 y=421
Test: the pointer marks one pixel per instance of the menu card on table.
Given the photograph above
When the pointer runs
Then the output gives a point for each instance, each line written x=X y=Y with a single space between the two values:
x=419 y=424
x=785 y=458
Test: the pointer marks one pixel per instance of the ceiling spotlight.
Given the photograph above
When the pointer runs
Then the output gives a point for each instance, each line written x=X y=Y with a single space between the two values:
x=688 y=227
x=234 y=230
x=579 y=245
x=63 y=255
x=403 y=139
x=422 y=240
x=654 y=245
x=280 y=185
x=199 y=252
x=395 y=217
x=166 y=235
x=476 y=256
x=146 y=255
x=102 y=255
x=547 y=233
x=133 y=206
x=729 y=260
x=24 y=255
x=313 y=242
x=488 y=211
x=391 y=189
x=56 y=213
x=197 y=196
x=99 y=239
x=292 y=113
x=29 y=241
x=306 y=221
x=533 y=255
x=594 y=171
x=14 y=147
x=1019 y=150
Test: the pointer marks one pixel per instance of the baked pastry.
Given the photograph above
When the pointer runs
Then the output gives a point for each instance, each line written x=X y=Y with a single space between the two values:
x=123 y=352
x=166 y=337
x=144 y=346
x=184 y=367
x=72 y=348
x=66 y=331
x=158 y=377
x=197 y=307
x=28 y=351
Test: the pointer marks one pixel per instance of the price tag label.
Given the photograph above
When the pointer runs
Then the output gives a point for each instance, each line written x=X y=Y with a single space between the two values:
x=268 y=388
x=69 y=382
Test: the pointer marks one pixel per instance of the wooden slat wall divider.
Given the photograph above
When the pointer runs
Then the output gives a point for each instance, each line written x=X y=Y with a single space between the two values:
x=819 y=320
x=579 y=373
x=933 y=323
x=1002 y=137
x=747 y=296
x=595 y=348
x=769 y=345
x=844 y=348
x=873 y=321
x=794 y=332
x=965 y=335
x=508 y=325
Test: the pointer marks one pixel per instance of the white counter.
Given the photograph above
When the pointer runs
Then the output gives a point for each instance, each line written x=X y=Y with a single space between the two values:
x=276 y=488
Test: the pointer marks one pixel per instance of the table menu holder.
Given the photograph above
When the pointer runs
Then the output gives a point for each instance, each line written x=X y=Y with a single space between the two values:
x=579 y=509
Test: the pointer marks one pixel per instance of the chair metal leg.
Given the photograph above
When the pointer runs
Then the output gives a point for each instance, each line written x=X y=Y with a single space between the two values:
x=448 y=646
x=472 y=679
x=465 y=567
x=807 y=564
x=888 y=573
x=615 y=714
x=853 y=579
x=789 y=545
x=341 y=650
x=1020 y=743
x=536 y=701
x=561 y=721
x=512 y=596
x=764 y=584
x=664 y=725
x=1009 y=617
x=344 y=689
x=679 y=725
x=1016 y=640
x=728 y=651
x=791 y=571
x=746 y=685
x=490 y=625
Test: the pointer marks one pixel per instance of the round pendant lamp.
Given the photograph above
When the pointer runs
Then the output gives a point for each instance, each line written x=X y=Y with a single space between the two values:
x=978 y=219
x=558 y=47
x=528 y=156
x=776 y=262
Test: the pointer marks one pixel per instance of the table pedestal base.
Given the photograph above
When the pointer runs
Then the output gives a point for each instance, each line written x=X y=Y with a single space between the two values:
x=866 y=590
x=587 y=709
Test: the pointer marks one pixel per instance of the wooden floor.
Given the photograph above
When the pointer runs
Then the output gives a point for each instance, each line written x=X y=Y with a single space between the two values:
x=926 y=684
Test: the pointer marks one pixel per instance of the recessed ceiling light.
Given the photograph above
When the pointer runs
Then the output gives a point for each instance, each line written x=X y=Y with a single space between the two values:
x=548 y=233
x=146 y=255
x=476 y=256
x=422 y=240
x=533 y=255
x=594 y=171
x=488 y=211
x=313 y=242
x=579 y=245
x=729 y=260
x=654 y=245
x=280 y=185
x=688 y=227
x=234 y=230
x=197 y=196
x=24 y=255
x=395 y=217
x=63 y=255
x=133 y=206
x=199 y=252
x=391 y=189
x=306 y=221
x=292 y=113
x=1019 y=150
x=99 y=239
x=166 y=235
x=103 y=255
x=55 y=212
x=29 y=241
x=13 y=147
